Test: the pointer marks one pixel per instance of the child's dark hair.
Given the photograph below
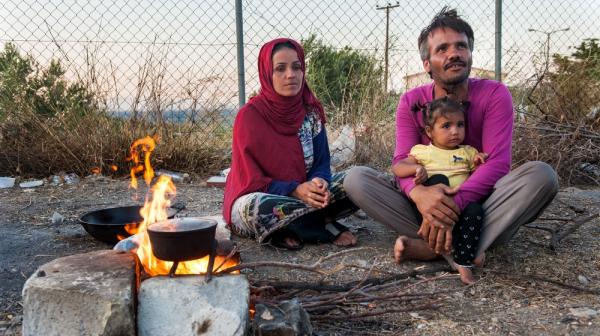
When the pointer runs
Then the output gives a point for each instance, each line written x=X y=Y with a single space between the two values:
x=440 y=107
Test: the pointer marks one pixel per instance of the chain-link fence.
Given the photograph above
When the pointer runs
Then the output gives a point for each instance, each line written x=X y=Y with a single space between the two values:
x=180 y=57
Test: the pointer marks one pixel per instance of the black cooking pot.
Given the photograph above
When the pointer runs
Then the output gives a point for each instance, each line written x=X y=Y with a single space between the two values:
x=183 y=239
x=107 y=225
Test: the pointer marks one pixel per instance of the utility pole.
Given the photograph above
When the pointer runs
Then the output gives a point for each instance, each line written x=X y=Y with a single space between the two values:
x=239 y=31
x=548 y=33
x=498 y=44
x=387 y=34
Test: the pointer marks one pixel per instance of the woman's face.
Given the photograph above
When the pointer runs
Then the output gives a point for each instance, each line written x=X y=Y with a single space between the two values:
x=287 y=72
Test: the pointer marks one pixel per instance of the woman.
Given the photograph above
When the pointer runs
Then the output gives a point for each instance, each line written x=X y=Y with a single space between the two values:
x=280 y=187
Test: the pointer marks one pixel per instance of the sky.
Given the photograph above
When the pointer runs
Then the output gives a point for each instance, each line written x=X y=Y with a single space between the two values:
x=186 y=50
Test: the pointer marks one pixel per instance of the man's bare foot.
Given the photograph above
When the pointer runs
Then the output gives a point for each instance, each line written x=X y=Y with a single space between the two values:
x=480 y=260
x=466 y=275
x=412 y=248
x=345 y=238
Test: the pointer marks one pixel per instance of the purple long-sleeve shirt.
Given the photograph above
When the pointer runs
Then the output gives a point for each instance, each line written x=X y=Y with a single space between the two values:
x=489 y=125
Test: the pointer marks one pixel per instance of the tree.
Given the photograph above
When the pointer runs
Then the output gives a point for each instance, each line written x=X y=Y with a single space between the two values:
x=575 y=85
x=343 y=79
x=24 y=84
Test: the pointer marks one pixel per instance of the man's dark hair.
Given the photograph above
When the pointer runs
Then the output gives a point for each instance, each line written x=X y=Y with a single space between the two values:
x=446 y=18
x=440 y=107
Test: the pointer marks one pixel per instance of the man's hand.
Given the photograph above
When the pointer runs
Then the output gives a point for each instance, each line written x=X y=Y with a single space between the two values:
x=436 y=204
x=420 y=175
x=438 y=239
x=315 y=193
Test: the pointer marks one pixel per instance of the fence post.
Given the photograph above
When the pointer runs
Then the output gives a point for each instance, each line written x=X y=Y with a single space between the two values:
x=498 y=44
x=239 y=31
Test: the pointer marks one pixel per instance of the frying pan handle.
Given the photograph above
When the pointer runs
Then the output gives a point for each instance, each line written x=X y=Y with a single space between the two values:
x=178 y=206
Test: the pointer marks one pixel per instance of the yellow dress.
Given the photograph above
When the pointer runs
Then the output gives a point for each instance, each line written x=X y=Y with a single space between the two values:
x=456 y=164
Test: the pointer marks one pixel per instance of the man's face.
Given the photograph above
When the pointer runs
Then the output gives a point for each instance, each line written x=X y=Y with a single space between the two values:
x=449 y=56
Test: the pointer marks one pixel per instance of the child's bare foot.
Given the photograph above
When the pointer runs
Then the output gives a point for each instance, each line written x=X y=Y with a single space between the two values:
x=345 y=238
x=466 y=275
x=480 y=260
x=412 y=248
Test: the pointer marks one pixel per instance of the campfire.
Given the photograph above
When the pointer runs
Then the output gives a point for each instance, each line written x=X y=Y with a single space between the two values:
x=154 y=212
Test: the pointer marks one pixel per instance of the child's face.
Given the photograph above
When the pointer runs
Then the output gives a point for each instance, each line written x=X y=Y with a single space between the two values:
x=448 y=131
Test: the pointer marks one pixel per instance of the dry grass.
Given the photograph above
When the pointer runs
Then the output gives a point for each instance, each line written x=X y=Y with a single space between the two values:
x=81 y=138
x=33 y=146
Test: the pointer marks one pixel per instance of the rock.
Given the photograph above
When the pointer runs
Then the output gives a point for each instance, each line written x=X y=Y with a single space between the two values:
x=583 y=313
x=343 y=147
x=187 y=305
x=223 y=232
x=287 y=319
x=31 y=184
x=7 y=182
x=129 y=244
x=71 y=178
x=84 y=294
x=583 y=280
x=57 y=218
x=216 y=181
x=360 y=214
x=175 y=176
x=590 y=168
x=56 y=180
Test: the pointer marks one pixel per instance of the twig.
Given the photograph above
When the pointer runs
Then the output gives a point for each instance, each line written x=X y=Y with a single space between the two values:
x=528 y=277
x=429 y=305
x=346 y=294
x=539 y=227
x=27 y=206
x=575 y=208
x=315 y=268
x=556 y=238
x=562 y=219
x=229 y=256
x=349 y=285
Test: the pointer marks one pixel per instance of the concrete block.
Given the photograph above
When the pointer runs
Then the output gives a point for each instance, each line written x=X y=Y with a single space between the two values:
x=187 y=305
x=85 y=294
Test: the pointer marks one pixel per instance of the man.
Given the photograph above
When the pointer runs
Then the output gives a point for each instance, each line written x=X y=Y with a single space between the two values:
x=510 y=199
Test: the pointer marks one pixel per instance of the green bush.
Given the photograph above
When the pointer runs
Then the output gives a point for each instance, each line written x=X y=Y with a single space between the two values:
x=24 y=84
x=346 y=81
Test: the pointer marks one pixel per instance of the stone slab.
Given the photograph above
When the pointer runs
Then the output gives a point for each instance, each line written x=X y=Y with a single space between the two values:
x=85 y=294
x=187 y=305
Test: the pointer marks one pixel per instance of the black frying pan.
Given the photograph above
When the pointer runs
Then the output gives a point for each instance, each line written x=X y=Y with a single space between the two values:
x=107 y=225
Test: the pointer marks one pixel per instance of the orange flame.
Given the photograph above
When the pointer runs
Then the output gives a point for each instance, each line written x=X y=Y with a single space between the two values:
x=132 y=228
x=114 y=168
x=147 y=145
x=155 y=210
x=96 y=170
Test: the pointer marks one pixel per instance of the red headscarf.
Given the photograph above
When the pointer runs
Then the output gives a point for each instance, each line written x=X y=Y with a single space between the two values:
x=265 y=145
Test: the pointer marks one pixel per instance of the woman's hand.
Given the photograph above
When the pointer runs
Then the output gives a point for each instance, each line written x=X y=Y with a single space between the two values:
x=315 y=193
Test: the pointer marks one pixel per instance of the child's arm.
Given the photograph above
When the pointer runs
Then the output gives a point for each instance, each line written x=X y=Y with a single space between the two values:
x=410 y=167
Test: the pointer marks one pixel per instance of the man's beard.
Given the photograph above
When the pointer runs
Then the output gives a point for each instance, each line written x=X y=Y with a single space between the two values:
x=449 y=84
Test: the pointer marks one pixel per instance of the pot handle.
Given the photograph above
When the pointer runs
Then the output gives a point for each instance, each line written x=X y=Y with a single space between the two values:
x=178 y=206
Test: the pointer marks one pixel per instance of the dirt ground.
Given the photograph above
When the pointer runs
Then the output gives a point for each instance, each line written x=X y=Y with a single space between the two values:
x=520 y=290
